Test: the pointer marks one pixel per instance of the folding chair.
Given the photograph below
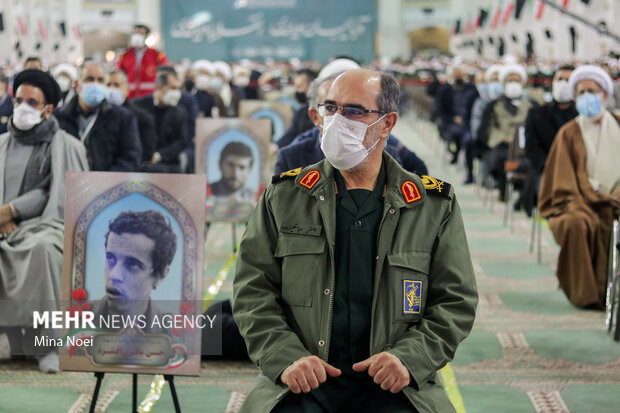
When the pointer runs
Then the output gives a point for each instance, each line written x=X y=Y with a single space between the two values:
x=612 y=319
x=516 y=150
x=536 y=235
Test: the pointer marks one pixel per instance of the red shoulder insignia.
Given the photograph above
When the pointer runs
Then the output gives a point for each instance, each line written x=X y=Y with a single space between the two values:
x=310 y=179
x=410 y=192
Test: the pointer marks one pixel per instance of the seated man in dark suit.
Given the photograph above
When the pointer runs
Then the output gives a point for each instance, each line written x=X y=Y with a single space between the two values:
x=6 y=103
x=109 y=132
x=306 y=148
x=170 y=122
x=301 y=121
x=541 y=125
x=118 y=89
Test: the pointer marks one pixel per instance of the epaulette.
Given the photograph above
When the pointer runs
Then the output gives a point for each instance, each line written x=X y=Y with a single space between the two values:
x=285 y=175
x=435 y=186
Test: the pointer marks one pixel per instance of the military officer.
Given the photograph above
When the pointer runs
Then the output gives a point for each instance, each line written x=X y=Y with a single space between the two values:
x=354 y=282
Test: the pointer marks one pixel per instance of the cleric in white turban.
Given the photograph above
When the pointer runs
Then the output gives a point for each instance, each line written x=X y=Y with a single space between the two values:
x=580 y=188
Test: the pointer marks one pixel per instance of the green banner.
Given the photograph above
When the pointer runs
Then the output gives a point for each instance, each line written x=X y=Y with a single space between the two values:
x=259 y=29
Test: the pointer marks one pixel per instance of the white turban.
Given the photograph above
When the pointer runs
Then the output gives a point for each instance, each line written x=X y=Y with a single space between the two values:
x=67 y=69
x=337 y=66
x=491 y=71
x=513 y=68
x=203 y=65
x=594 y=73
x=223 y=68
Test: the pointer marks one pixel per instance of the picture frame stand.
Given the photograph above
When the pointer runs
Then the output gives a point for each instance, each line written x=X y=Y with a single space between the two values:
x=134 y=392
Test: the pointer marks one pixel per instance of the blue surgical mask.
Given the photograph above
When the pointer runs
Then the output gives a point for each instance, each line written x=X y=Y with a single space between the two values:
x=589 y=105
x=483 y=90
x=93 y=93
x=495 y=90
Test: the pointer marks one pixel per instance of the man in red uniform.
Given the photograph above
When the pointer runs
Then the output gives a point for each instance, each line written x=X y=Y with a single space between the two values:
x=140 y=63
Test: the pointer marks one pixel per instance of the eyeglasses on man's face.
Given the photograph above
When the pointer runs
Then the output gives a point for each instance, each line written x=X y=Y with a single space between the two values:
x=349 y=112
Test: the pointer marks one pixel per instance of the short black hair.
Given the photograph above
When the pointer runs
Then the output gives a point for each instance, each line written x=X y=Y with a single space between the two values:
x=236 y=148
x=309 y=73
x=143 y=26
x=565 y=67
x=155 y=226
x=32 y=59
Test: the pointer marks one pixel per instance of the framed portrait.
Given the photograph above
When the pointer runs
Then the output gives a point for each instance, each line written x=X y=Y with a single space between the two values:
x=233 y=154
x=132 y=265
x=279 y=113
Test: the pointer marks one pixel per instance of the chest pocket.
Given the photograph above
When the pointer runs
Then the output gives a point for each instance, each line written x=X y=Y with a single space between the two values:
x=302 y=263
x=407 y=277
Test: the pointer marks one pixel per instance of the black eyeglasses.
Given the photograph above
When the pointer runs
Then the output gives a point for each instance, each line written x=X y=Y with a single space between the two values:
x=349 y=112
x=31 y=102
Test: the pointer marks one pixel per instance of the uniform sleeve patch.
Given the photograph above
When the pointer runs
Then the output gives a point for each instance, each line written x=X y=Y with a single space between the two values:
x=412 y=297
x=410 y=191
x=285 y=175
x=435 y=186
x=310 y=179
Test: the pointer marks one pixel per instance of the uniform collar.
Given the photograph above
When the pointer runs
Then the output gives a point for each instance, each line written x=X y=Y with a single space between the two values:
x=395 y=177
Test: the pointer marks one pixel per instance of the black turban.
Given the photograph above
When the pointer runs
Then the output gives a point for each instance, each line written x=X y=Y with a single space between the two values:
x=42 y=80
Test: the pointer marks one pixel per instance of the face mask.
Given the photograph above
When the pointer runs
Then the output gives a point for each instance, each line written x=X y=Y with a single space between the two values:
x=301 y=97
x=495 y=90
x=343 y=141
x=189 y=85
x=93 y=93
x=215 y=84
x=513 y=90
x=115 y=96
x=589 y=105
x=64 y=83
x=25 y=117
x=561 y=91
x=241 y=81
x=171 y=97
x=202 y=82
x=137 y=41
x=459 y=82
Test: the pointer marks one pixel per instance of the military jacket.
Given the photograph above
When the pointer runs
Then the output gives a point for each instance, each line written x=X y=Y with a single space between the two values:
x=424 y=294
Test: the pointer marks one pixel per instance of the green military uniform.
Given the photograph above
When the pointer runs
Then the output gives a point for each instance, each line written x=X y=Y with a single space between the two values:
x=423 y=288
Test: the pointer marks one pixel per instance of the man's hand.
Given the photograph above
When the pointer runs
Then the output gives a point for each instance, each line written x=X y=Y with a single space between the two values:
x=387 y=371
x=7 y=228
x=307 y=373
x=5 y=214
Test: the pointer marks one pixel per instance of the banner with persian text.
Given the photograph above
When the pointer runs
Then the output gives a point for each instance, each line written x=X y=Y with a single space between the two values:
x=260 y=29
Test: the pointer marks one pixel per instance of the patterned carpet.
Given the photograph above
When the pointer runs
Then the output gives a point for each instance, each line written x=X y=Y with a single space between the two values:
x=530 y=350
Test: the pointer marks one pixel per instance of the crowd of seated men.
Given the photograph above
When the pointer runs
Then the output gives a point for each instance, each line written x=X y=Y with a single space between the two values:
x=87 y=119
x=567 y=155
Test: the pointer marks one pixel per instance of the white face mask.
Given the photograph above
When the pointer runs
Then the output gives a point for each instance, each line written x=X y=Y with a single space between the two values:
x=137 y=40
x=342 y=141
x=202 y=82
x=561 y=92
x=215 y=84
x=64 y=83
x=513 y=90
x=171 y=97
x=25 y=117
x=115 y=96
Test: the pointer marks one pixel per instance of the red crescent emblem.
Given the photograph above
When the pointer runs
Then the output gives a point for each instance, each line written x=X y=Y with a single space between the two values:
x=410 y=192
x=310 y=179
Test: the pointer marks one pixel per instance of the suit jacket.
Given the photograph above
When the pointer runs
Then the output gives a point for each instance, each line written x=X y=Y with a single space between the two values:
x=146 y=129
x=172 y=137
x=541 y=126
x=301 y=123
x=113 y=143
x=6 y=111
